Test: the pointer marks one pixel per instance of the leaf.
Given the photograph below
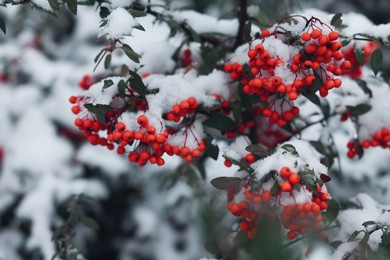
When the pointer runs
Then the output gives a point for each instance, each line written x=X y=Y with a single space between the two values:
x=108 y=83
x=99 y=54
x=237 y=111
x=242 y=163
x=131 y=53
x=363 y=85
x=222 y=123
x=320 y=147
x=336 y=20
x=376 y=61
x=73 y=217
x=386 y=237
x=104 y=12
x=311 y=97
x=89 y=222
x=122 y=88
x=354 y=234
x=57 y=233
x=359 y=109
x=290 y=148
x=54 y=5
x=84 y=197
x=137 y=84
x=2 y=26
x=365 y=238
x=246 y=34
x=359 y=53
x=139 y=27
x=137 y=13
x=72 y=5
x=325 y=178
x=98 y=109
x=275 y=188
x=211 y=149
x=211 y=247
x=369 y=223
x=107 y=61
x=224 y=183
x=259 y=150
x=194 y=35
x=333 y=210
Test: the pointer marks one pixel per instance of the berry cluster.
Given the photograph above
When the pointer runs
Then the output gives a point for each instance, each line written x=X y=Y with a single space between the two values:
x=183 y=109
x=380 y=138
x=278 y=79
x=298 y=217
x=86 y=82
x=187 y=57
x=126 y=125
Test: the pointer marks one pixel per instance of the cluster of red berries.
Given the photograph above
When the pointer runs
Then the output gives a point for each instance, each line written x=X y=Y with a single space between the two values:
x=287 y=112
x=182 y=109
x=187 y=57
x=350 y=55
x=297 y=218
x=86 y=82
x=144 y=144
x=319 y=57
x=380 y=138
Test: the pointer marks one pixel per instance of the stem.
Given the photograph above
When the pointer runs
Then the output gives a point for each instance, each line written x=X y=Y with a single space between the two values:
x=242 y=18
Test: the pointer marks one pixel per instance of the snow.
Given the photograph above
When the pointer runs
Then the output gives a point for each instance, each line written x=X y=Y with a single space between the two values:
x=44 y=4
x=352 y=219
x=119 y=23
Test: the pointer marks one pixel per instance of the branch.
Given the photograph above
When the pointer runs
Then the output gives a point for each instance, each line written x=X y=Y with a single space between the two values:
x=242 y=18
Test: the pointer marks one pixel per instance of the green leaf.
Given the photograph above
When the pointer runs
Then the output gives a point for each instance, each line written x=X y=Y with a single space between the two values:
x=237 y=111
x=137 y=13
x=242 y=163
x=320 y=147
x=107 y=61
x=89 y=222
x=246 y=34
x=194 y=35
x=376 y=61
x=54 y=5
x=220 y=122
x=98 y=109
x=139 y=27
x=290 y=148
x=359 y=53
x=211 y=149
x=131 y=53
x=104 y=12
x=57 y=233
x=2 y=26
x=73 y=217
x=333 y=210
x=359 y=109
x=224 y=183
x=336 y=20
x=99 y=54
x=84 y=197
x=386 y=237
x=275 y=188
x=137 y=84
x=363 y=85
x=354 y=234
x=312 y=97
x=122 y=88
x=365 y=239
x=369 y=223
x=259 y=150
x=72 y=5
x=108 y=83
